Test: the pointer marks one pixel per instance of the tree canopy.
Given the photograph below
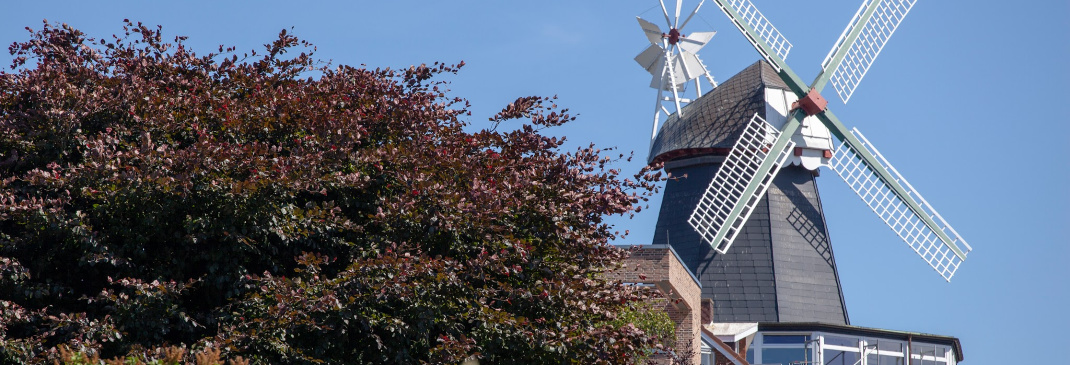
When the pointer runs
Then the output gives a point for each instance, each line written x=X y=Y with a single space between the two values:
x=288 y=210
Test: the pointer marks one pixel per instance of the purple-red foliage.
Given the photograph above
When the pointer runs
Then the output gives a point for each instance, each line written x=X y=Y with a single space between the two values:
x=152 y=197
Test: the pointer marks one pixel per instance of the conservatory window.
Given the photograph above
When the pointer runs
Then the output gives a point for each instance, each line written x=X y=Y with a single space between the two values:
x=923 y=354
x=706 y=354
x=840 y=351
x=785 y=356
x=841 y=357
x=884 y=352
x=787 y=349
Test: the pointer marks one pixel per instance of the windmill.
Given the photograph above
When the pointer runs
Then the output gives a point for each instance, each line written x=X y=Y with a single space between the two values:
x=672 y=59
x=762 y=149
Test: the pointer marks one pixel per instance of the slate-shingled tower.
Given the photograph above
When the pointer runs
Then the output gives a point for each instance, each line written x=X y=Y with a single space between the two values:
x=781 y=267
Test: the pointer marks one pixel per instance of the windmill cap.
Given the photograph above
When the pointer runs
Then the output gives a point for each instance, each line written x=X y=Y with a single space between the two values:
x=713 y=122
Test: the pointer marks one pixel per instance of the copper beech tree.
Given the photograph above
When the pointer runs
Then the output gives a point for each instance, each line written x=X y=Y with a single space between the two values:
x=285 y=210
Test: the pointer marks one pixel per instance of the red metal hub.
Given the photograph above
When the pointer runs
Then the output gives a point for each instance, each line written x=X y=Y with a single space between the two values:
x=812 y=103
x=674 y=36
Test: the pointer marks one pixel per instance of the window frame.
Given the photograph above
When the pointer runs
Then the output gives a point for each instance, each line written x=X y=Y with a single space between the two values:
x=875 y=342
x=858 y=348
x=759 y=345
x=947 y=359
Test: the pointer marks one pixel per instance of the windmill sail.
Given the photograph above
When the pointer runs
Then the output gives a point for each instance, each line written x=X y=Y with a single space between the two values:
x=685 y=67
x=693 y=42
x=761 y=26
x=874 y=34
x=890 y=207
x=652 y=59
x=672 y=61
x=653 y=34
x=869 y=174
x=716 y=217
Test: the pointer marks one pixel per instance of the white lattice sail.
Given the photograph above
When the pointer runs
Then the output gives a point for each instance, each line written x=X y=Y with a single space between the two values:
x=765 y=30
x=860 y=54
x=894 y=212
x=712 y=216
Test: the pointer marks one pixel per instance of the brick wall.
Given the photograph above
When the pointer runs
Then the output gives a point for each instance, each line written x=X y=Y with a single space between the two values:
x=661 y=267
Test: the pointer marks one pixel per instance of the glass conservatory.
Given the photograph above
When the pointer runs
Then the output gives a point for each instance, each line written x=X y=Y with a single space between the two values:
x=815 y=343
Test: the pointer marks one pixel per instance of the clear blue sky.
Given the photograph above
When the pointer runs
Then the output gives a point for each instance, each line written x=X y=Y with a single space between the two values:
x=968 y=100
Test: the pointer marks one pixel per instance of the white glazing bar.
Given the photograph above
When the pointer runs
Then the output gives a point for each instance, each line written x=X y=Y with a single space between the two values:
x=843 y=36
x=864 y=50
x=895 y=213
x=761 y=26
x=727 y=189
